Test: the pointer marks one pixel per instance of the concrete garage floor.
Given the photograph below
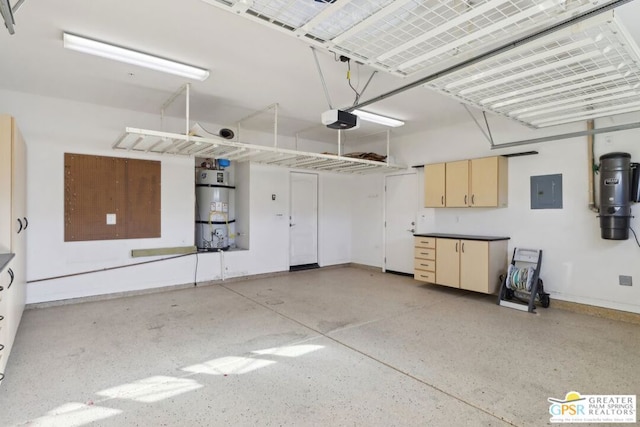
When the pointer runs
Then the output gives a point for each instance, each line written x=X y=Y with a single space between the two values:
x=340 y=346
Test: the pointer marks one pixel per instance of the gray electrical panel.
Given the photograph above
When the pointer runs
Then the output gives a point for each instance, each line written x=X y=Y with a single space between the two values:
x=546 y=191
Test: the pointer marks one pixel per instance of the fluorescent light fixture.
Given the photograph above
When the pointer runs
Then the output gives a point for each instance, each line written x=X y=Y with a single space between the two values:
x=376 y=118
x=128 y=56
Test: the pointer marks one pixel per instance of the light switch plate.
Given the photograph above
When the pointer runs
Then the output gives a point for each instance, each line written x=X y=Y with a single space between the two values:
x=111 y=219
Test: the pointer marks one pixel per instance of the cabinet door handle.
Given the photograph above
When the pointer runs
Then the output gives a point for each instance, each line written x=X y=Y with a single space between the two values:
x=26 y=222
x=473 y=199
x=456 y=246
x=462 y=247
x=1 y=376
x=1 y=289
x=1 y=347
x=12 y=277
x=20 y=222
x=442 y=200
x=1 y=317
x=465 y=199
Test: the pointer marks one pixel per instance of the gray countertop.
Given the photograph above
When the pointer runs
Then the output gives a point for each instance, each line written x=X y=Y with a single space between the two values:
x=462 y=236
x=4 y=260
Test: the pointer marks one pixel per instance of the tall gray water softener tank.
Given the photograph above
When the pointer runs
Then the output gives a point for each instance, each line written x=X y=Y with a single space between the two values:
x=615 y=192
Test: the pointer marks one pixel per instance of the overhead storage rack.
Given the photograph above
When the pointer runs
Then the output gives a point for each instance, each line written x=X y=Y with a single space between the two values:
x=214 y=146
x=150 y=141
x=405 y=37
x=585 y=67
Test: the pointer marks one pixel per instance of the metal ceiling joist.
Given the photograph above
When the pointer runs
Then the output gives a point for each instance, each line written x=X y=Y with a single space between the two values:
x=7 y=14
x=151 y=141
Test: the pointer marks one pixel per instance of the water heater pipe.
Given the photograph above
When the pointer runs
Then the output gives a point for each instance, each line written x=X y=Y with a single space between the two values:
x=592 y=169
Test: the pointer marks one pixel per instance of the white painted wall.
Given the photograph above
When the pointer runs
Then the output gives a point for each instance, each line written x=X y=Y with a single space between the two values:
x=366 y=219
x=53 y=126
x=577 y=264
x=334 y=219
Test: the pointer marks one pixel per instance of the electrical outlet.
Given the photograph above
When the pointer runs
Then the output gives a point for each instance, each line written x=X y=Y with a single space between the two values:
x=625 y=280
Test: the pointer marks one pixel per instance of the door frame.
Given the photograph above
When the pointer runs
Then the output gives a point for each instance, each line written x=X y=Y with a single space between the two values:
x=384 y=211
x=317 y=175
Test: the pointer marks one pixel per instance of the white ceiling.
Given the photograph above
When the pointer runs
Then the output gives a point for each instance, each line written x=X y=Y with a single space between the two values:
x=251 y=66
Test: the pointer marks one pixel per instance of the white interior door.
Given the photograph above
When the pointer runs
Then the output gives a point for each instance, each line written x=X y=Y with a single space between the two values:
x=400 y=199
x=303 y=219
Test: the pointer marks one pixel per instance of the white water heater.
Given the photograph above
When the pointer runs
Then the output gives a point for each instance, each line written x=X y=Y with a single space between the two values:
x=215 y=213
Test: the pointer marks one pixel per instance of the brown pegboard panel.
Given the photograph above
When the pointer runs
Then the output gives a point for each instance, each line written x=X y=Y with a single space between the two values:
x=96 y=186
x=143 y=198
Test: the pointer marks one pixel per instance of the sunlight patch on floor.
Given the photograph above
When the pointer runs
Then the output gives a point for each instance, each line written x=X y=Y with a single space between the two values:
x=290 y=351
x=73 y=415
x=152 y=389
x=230 y=365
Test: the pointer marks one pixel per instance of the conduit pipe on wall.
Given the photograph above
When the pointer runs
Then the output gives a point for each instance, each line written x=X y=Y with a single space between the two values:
x=592 y=167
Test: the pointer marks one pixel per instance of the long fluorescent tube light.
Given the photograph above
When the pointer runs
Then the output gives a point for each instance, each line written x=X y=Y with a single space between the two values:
x=105 y=50
x=376 y=118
